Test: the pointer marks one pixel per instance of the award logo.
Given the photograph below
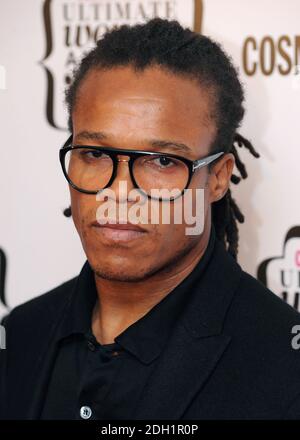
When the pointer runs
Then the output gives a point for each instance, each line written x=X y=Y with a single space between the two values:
x=282 y=274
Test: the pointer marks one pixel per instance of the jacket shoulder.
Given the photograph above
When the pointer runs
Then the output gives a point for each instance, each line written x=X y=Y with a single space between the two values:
x=265 y=328
x=43 y=306
x=257 y=299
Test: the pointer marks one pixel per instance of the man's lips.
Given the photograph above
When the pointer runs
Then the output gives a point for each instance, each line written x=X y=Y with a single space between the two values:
x=118 y=232
x=124 y=226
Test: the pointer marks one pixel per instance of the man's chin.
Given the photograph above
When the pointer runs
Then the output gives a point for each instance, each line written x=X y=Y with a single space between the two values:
x=120 y=275
x=123 y=269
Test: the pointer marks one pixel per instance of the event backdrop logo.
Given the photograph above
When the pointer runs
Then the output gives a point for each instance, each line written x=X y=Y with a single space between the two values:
x=73 y=26
x=269 y=54
x=282 y=274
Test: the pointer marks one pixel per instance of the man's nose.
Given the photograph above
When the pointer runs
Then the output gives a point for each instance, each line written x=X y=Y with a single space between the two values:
x=122 y=183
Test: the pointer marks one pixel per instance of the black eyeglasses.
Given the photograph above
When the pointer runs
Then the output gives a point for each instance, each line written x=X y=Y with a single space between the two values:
x=90 y=169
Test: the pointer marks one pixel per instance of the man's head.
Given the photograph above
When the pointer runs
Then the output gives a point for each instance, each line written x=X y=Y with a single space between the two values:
x=157 y=87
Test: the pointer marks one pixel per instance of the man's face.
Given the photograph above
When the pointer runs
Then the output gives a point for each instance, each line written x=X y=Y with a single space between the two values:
x=133 y=109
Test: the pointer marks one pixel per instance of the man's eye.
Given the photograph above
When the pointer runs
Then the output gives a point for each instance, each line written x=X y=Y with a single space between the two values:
x=163 y=162
x=93 y=154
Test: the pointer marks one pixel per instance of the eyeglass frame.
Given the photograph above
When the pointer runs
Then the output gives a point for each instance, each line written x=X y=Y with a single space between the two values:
x=113 y=152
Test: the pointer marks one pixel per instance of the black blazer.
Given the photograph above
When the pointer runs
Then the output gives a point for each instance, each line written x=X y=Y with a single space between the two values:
x=230 y=354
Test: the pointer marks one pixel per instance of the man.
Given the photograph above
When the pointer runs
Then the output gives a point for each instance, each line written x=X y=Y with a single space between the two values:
x=159 y=324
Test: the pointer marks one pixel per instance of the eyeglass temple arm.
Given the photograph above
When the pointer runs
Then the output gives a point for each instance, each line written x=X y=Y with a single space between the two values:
x=203 y=162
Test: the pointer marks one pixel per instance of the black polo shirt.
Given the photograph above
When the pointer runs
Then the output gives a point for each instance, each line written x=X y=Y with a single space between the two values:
x=90 y=380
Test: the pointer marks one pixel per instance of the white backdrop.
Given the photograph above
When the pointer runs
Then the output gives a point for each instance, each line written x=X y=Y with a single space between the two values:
x=40 y=244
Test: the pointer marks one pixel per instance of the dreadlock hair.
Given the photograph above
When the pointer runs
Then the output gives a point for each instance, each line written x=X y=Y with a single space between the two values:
x=183 y=52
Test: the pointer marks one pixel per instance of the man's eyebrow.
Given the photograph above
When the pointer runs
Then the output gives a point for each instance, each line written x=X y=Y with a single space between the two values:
x=91 y=135
x=154 y=143
x=161 y=143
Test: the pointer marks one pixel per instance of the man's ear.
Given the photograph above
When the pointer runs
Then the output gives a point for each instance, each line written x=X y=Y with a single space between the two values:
x=219 y=177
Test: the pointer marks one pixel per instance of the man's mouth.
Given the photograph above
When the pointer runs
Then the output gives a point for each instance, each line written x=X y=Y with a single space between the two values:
x=119 y=231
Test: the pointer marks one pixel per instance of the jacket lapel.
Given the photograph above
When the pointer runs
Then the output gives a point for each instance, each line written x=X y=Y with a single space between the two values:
x=185 y=366
x=46 y=348
x=196 y=344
